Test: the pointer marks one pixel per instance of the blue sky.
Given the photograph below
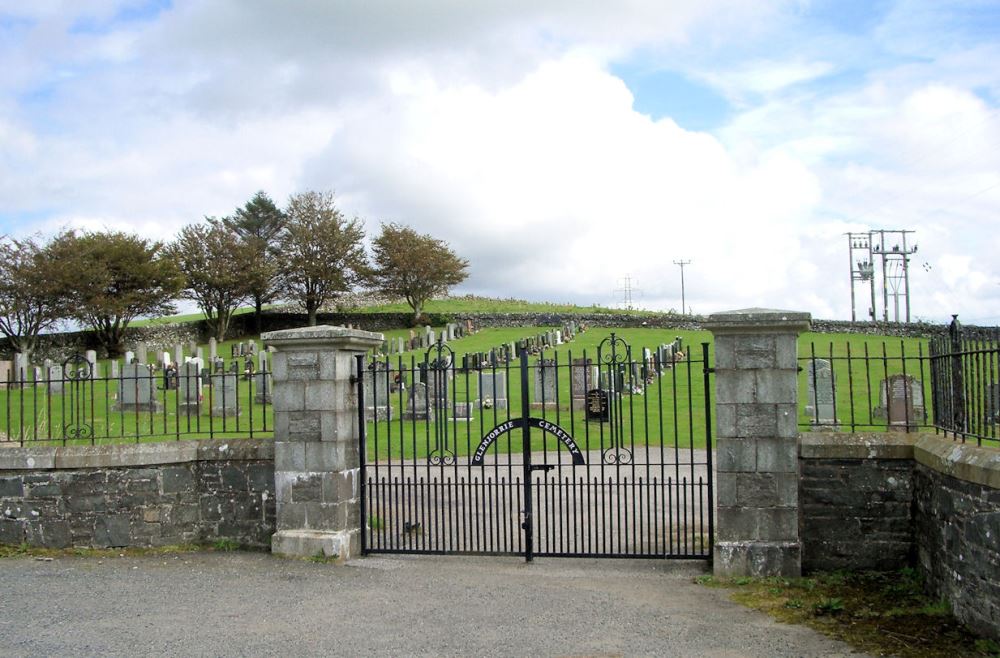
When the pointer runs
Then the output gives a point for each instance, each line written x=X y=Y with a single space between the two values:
x=744 y=136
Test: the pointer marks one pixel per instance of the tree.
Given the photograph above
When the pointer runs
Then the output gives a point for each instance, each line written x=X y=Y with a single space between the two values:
x=110 y=278
x=214 y=262
x=414 y=266
x=30 y=299
x=258 y=224
x=321 y=252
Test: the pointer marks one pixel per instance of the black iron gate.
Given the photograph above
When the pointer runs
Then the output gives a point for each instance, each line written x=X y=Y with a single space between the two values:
x=535 y=453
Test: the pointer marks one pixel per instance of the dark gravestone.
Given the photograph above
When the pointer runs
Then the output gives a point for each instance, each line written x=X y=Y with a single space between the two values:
x=545 y=383
x=417 y=407
x=225 y=397
x=493 y=389
x=597 y=405
x=902 y=401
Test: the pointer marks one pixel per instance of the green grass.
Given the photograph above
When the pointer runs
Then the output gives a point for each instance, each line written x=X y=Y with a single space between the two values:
x=670 y=413
x=475 y=304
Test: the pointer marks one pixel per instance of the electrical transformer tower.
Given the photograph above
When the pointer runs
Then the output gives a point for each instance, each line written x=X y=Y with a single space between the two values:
x=892 y=248
x=862 y=269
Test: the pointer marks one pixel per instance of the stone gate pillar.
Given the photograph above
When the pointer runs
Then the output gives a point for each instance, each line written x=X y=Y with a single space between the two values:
x=756 y=403
x=316 y=433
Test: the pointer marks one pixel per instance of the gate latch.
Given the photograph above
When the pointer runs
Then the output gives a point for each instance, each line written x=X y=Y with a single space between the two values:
x=541 y=467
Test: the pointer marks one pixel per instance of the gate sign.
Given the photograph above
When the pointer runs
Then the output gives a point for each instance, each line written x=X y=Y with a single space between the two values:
x=540 y=423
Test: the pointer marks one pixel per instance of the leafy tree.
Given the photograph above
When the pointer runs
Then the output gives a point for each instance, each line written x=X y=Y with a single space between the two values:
x=214 y=262
x=258 y=224
x=110 y=278
x=414 y=266
x=321 y=251
x=30 y=299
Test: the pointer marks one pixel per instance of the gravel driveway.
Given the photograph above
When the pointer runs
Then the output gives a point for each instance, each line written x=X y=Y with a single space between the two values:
x=217 y=604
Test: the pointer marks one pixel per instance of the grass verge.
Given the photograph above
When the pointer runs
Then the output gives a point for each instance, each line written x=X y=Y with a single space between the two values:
x=880 y=613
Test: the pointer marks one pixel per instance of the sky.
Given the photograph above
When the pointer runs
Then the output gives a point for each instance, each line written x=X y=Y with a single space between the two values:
x=561 y=146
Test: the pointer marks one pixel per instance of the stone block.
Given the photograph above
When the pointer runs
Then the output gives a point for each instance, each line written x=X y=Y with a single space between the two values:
x=306 y=488
x=775 y=386
x=735 y=386
x=339 y=427
x=736 y=523
x=725 y=420
x=304 y=426
x=735 y=455
x=176 y=479
x=289 y=396
x=301 y=366
x=756 y=420
x=338 y=546
x=112 y=531
x=326 y=516
x=777 y=455
x=755 y=489
x=725 y=352
x=289 y=456
x=754 y=351
x=778 y=524
x=757 y=559
x=12 y=531
x=11 y=487
x=340 y=487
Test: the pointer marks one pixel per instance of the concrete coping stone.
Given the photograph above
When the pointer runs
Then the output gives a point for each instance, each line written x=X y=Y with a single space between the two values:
x=140 y=454
x=872 y=445
x=322 y=336
x=758 y=320
x=962 y=461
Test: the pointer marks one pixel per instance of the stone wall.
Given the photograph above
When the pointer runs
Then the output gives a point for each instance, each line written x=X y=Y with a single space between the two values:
x=138 y=495
x=856 y=496
x=887 y=501
x=957 y=524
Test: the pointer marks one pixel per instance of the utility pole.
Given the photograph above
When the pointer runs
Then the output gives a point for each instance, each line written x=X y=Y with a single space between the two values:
x=891 y=246
x=682 y=263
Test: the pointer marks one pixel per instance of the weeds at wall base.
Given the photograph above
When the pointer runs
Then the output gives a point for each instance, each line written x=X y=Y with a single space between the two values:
x=880 y=613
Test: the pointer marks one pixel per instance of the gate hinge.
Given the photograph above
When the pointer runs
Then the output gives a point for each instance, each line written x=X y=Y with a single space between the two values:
x=541 y=467
x=354 y=380
x=708 y=371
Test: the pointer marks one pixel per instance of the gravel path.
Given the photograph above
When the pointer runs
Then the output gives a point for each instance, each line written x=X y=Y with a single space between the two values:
x=215 y=604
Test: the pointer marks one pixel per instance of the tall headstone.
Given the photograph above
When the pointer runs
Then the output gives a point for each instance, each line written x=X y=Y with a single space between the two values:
x=213 y=348
x=91 y=357
x=493 y=389
x=545 y=383
x=583 y=378
x=225 y=396
x=21 y=372
x=189 y=388
x=178 y=354
x=199 y=354
x=377 y=394
x=140 y=353
x=129 y=356
x=6 y=373
x=137 y=389
x=417 y=405
x=115 y=368
x=820 y=392
x=55 y=379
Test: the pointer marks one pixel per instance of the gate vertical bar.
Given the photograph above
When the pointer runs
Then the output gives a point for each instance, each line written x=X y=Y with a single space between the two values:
x=528 y=523
x=708 y=452
x=362 y=449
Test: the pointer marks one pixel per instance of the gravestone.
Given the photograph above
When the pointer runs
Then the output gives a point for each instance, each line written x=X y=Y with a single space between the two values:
x=820 y=392
x=140 y=353
x=901 y=400
x=377 y=394
x=213 y=349
x=262 y=387
x=192 y=346
x=21 y=367
x=165 y=359
x=598 y=403
x=218 y=365
x=55 y=379
x=253 y=347
x=38 y=375
x=129 y=356
x=6 y=373
x=493 y=389
x=200 y=354
x=189 y=388
x=417 y=407
x=583 y=377
x=137 y=389
x=91 y=357
x=992 y=403
x=178 y=354
x=545 y=383
x=225 y=397
x=114 y=369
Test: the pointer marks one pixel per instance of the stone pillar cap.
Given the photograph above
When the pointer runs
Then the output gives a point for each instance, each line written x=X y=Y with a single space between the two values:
x=758 y=319
x=323 y=335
